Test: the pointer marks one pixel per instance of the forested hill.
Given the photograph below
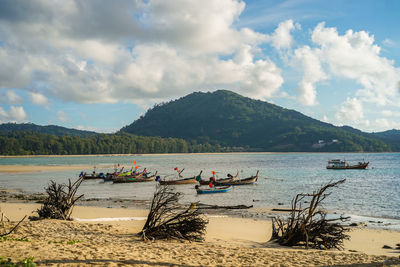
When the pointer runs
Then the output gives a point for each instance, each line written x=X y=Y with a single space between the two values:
x=230 y=120
x=48 y=129
x=392 y=135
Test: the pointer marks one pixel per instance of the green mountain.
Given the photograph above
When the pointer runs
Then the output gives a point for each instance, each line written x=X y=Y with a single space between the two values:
x=230 y=120
x=390 y=135
x=49 y=129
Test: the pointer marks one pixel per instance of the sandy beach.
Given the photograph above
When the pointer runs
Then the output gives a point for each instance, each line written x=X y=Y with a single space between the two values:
x=95 y=237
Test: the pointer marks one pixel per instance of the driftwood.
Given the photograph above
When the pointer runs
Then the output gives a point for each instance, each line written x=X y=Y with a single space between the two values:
x=167 y=220
x=212 y=207
x=5 y=228
x=60 y=201
x=309 y=226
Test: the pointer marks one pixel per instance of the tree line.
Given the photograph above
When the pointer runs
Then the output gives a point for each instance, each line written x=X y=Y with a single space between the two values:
x=33 y=143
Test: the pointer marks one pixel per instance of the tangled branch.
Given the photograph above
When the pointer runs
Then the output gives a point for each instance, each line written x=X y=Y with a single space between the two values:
x=166 y=218
x=309 y=226
x=60 y=200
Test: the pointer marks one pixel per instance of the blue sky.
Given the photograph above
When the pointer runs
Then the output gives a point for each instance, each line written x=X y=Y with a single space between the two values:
x=99 y=65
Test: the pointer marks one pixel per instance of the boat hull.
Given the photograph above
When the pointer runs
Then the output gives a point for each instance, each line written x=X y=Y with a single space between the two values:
x=250 y=180
x=191 y=180
x=222 y=180
x=133 y=179
x=223 y=189
x=349 y=167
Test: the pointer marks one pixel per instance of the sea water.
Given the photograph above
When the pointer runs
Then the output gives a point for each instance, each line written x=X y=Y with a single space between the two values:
x=374 y=192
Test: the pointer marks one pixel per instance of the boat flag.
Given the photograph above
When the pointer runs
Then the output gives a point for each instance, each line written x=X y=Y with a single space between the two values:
x=176 y=168
x=213 y=172
x=134 y=162
x=136 y=167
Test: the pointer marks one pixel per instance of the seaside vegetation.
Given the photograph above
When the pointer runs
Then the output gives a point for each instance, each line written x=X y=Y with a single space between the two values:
x=27 y=262
x=32 y=143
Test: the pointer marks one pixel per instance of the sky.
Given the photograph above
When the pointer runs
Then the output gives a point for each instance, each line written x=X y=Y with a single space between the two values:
x=98 y=65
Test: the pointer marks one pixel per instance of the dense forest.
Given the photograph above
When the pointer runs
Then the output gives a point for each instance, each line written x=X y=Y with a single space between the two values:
x=229 y=119
x=33 y=143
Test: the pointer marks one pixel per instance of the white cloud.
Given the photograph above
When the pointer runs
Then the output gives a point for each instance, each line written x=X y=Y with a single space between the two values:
x=355 y=56
x=10 y=97
x=38 y=99
x=387 y=113
x=62 y=116
x=388 y=42
x=3 y=115
x=15 y=114
x=350 y=111
x=382 y=123
x=308 y=60
x=325 y=119
x=150 y=50
x=282 y=38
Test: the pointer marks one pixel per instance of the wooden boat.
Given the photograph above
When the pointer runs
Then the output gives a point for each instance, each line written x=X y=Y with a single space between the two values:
x=222 y=180
x=137 y=179
x=111 y=175
x=190 y=180
x=214 y=190
x=245 y=181
x=337 y=164
x=93 y=175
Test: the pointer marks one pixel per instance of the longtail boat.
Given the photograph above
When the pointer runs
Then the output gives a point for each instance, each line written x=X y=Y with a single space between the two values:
x=110 y=176
x=190 y=180
x=140 y=178
x=245 y=181
x=337 y=164
x=93 y=175
x=213 y=190
x=222 y=180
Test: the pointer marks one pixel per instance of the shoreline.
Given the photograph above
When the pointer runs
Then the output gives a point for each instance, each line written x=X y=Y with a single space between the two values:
x=202 y=153
x=262 y=213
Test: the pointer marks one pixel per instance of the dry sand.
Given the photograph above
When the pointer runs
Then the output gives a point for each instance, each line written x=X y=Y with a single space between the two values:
x=39 y=168
x=228 y=242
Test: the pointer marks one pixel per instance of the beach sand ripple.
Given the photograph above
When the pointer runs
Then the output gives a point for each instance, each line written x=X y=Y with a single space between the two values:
x=63 y=243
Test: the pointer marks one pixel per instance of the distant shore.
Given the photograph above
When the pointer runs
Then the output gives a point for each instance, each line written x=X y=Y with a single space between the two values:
x=42 y=168
x=205 y=153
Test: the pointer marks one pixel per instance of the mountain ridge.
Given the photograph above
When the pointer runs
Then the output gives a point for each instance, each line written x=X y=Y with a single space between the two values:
x=229 y=119
x=46 y=129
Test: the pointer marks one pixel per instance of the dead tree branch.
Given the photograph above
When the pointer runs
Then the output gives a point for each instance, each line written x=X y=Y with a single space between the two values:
x=308 y=226
x=167 y=220
x=60 y=200
x=5 y=229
